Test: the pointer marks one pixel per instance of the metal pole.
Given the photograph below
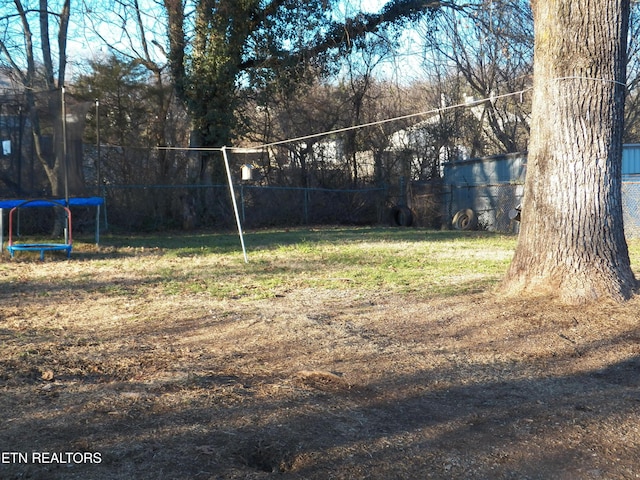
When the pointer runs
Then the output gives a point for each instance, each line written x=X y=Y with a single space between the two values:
x=98 y=165
x=20 y=133
x=65 y=165
x=104 y=196
x=235 y=203
x=242 y=200
x=97 y=225
x=64 y=150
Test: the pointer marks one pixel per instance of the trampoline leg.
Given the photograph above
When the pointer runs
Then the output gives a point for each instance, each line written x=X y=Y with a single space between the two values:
x=42 y=255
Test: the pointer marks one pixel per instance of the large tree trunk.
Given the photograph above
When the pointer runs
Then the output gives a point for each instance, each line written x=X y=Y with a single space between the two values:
x=572 y=238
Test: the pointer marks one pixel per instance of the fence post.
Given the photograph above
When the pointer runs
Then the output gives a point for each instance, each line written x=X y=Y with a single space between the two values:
x=104 y=195
x=242 y=201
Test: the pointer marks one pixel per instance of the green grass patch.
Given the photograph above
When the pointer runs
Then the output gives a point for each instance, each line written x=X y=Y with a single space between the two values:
x=415 y=261
x=407 y=261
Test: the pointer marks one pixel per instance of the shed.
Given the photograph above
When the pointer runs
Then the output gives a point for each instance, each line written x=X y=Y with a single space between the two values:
x=492 y=186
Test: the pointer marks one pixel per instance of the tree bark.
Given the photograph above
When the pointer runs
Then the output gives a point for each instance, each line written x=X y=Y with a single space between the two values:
x=572 y=242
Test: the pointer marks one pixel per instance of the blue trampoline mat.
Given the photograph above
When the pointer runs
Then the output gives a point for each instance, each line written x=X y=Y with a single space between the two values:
x=73 y=202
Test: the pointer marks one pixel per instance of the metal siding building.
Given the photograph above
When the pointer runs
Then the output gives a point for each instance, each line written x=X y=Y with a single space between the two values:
x=492 y=186
x=631 y=190
x=631 y=160
x=497 y=169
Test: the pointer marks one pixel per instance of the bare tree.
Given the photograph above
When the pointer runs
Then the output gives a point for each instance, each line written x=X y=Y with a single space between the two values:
x=139 y=35
x=359 y=81
x=491 y=48
x=306 y=110
x=39 y=66
x=632 y=105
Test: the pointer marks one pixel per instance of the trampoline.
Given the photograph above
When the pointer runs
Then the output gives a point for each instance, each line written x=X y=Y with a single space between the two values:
x=67 y=246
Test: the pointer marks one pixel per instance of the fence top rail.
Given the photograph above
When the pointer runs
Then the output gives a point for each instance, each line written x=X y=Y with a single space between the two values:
x=266 y=187
x=483 y=185
x=512 y=184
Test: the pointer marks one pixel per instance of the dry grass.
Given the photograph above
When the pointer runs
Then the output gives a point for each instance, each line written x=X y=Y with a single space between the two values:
x=331 y=379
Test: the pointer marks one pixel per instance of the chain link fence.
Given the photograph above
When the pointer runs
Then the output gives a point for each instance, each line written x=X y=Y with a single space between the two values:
x=157 y=207
x=490 y=203
x=431 y=205
x=631 y=208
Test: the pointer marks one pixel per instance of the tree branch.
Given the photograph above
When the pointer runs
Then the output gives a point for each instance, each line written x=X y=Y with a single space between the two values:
x=62 y=40
x=343 y=35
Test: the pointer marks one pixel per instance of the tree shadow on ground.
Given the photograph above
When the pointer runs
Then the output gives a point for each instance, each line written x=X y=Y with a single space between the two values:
x=155 y=408
x=399 y=427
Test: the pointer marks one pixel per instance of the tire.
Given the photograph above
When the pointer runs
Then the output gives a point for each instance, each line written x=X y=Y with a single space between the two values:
x=401 y=216
x=465 y=220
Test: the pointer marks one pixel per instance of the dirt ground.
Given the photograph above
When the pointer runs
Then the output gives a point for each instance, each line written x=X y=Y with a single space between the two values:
x=103 y=375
